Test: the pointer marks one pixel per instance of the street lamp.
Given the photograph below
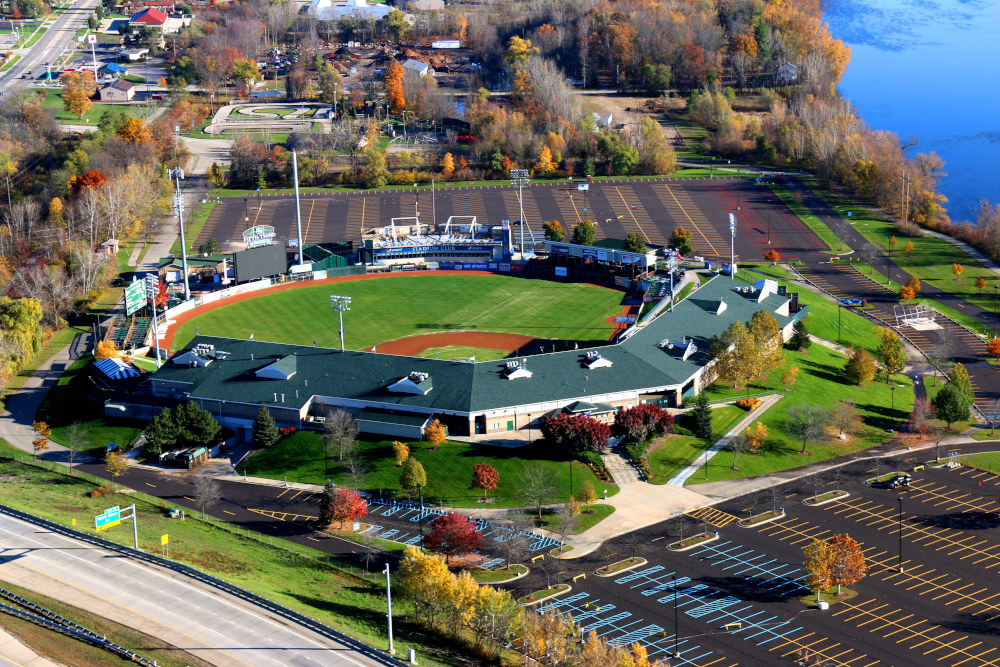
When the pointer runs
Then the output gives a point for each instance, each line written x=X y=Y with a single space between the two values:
x=177 y=174
x=340 y=304
x=519 y=177
x=892 y=398
x=900 y=562
x=420 y=490
x=732 y=246
x=996 y=287
x=673 y=584
x=605 y=496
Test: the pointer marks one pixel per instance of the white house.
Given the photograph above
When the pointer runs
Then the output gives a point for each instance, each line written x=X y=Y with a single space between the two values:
x=416 y=68
x=328 y=10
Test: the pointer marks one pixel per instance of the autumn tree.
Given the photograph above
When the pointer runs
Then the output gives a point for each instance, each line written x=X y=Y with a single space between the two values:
x=680 y=240
x=980 y=283
x=56 y=212
x=818 y=563
x=401 y=452
x=736 y=355
x=756 y=436
x=588 y=495
x=347 y=505
x=435 y=434
x=846 y=561
x=485 y=477
x=960 y=378
x=453 y=534
x=78 y=88
x=772 y=255
x=890 y=352
x=846 y=418
x=913 y=283
x=245 y=71
x=413 y=475
x=518 y=51
x=44 y=432
x=116 y=464
x=789 y=377
x=906 y=293
x=545 y=164
x=106 y=349
x=135 y=131
x=448 y=165
x=642 y=422
x=993 y=347
x=860 y=366
x=394 y=87
x=423 y=579
x=766 y=333
x=957 y=269
x=892 y=243
x=326 y=506
x=908 y=247
x=553 y=230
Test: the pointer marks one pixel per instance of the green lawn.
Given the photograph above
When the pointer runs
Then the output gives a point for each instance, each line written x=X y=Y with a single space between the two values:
x=932 y=385
x=825 y=234
x=54 y=106
x=286 y=573
x=678 y=451
x=10 y=62
x=193 y=225
x=539 y=308
x=988 y=461
x=461 y=352
x=449 y=469
x=262 y=113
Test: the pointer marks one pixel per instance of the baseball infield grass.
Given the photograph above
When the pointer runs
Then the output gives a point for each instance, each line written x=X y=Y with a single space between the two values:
x=393 y=307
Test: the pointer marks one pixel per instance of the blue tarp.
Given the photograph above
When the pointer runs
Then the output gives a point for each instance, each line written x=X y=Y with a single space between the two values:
x=114 y=67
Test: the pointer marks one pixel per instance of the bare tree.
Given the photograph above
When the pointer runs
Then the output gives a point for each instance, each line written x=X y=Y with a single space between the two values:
x=510 y=542
x=537 y=485
x=566 y=521
x=737 y=445
x=807 y=422
x=75 y=441
x=207 y=491
x=357 y=467
x=340 y=429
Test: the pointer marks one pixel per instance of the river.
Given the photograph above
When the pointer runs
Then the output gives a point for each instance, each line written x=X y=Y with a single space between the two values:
x=930 y=69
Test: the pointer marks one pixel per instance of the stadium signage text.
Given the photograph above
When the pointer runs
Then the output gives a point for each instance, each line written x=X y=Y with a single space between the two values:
x=258 y=235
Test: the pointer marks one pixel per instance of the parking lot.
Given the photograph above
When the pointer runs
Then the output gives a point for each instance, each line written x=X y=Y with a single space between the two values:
x=738 y=598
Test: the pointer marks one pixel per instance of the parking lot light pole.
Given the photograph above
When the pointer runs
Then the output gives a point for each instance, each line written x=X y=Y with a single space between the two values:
x=420 y=490
x=995 y=288
x=900 y=562
x=340 y=304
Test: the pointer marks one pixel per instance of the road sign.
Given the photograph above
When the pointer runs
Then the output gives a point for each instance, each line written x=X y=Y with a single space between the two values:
x=108 y=518
x=164 y=539
x=91 y=39
x=135 y=296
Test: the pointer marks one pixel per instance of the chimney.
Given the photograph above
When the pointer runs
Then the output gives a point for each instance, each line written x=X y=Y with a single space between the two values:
x=275 y=397
x=282 y=398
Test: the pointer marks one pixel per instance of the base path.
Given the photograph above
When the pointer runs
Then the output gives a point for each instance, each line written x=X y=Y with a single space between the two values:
x=412 y=346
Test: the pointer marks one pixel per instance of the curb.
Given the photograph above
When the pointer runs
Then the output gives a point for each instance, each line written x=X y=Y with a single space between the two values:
x=711 y=539
x=843 y=494
x=547 y=597
x=624 y=569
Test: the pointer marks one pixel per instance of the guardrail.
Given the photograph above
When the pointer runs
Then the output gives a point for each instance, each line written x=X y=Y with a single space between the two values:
x=215 y=582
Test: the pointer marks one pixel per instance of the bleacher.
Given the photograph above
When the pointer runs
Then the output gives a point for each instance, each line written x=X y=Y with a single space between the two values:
x=129 y=332
x=140 y=328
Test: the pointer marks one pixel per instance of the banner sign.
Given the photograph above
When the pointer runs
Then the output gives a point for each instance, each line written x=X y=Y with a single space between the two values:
x=258 y=235
x=432 y=265
x=424 y=249
x=590 y=253
x=561 y=249
x=560 y=270
x=135 y=296
x=505 y=267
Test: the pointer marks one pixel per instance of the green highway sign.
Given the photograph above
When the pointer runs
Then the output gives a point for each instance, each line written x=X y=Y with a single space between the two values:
x=108 y=518
x=135 y=297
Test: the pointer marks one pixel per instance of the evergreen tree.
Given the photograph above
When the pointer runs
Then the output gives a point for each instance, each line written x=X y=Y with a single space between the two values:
x=635 y=243
x=701 y=414
x=265 y=432
x=195 y=427
x=800 y=336
x=161 y=434
x=325 y=505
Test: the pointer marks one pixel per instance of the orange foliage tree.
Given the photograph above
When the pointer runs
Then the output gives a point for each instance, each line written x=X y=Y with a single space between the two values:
x=980 y=284
x=906 y=293
x=993 y=347
x=772 y=255
x=394 y=87
x=448 y=165
x=957 y=269
x=135 y=131
x=435 y=434
x=847 y=562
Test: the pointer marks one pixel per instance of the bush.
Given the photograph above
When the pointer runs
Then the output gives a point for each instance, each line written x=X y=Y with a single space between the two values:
x=748 y=404
x=100 y=491
x=636 y=450
x=907 y=228
x=595 y=463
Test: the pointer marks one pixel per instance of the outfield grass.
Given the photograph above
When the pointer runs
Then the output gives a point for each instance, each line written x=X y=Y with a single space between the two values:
x=388 y=308
x=461 y=352
x=449 y=469
x=286 y=573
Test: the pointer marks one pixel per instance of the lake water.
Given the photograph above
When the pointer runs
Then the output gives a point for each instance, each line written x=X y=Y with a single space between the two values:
x=930 y=69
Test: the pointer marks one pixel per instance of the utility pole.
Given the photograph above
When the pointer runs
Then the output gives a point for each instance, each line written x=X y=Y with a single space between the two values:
x=388 y=602
x=177 y=174
x=732 y=246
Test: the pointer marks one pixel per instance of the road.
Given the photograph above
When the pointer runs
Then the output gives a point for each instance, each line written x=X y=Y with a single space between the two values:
x=207 y=623
x=60 y=35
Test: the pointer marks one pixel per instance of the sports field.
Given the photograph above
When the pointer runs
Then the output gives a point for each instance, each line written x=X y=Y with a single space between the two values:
x=394 y=307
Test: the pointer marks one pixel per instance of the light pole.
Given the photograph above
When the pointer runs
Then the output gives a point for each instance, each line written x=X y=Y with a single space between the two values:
x=605 y=496
x=839 y=309
x=420 y=491
x=246 y=213
x=900 y=562
x=732 y=246
x=388 y=603
x=892 y=398
x=340 y=304
x=178 y=174
x=995 y=288
x=519 y=177
x=673 y=584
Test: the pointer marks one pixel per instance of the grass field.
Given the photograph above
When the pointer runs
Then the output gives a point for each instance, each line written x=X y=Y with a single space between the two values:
x=393 y=307
x=449 y=469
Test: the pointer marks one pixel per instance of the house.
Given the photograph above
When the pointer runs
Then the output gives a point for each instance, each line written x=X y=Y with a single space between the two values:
x=328 y=10
x=119 y=91
x=417 y=69
x=134 y=54
x=165 y=6
x=150 y=16
x=112 y=71
x=788 y=73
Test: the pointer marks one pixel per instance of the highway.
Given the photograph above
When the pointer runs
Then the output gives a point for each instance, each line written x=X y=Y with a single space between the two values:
x=205 y=622
x=60 y=36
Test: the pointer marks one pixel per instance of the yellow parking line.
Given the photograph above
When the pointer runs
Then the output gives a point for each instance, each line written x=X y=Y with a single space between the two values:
x=693 y=224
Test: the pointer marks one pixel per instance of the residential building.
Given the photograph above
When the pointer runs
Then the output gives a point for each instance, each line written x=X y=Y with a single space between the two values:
x=119 y=91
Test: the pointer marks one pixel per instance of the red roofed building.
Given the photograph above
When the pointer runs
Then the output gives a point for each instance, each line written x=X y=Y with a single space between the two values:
x=149 y=16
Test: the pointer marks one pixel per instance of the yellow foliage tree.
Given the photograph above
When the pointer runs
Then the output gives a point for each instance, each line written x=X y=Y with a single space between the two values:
x=556 y=144
x=980 y=283
x=106 y=349
x=545 y=164
x=135 y=131
x=116 y=464
x=756 y=435
x=448 y=165
x=56 y=212
x=424 y=578
x=908 y=247
x=401 y=451
x=789 y=378
x=435 y=434
x=957 y=269
x=78 y=88
x=518 y=51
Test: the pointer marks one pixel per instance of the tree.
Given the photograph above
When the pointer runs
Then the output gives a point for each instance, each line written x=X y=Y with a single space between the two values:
x=643 y=421
x=766 y=333
x=584 y=233
x=772 y=255
x=960 y=378
x=656 y=78
x=435 y=434
x=161 y=434
x=892 y=243
x=116 y=464
x=737 y=445
x=846 y=418
x=807 y=422
x=908 y=247
x=135 y=131
x=265 y=431
x=401 y=451
x=588 y=495
x=518 y=51
x=545 y=164
x=680 y=240
x=346 y=505
x=195 y=427
x=951 y=405
x=339 y=430
x=913 y=283
x=41 y=442
x=245 y=71
x=634 y=242
x=76 y=440
x=701 y=414
x=453 y=534
x=957 y=269
x=800 y=339
x=106 y=349
x=537 y=485
x=485 y=477
x=326 y=506
x=993 y=347
x=890 y=352
x=554 y=231
x=216 y=176
x=394 y=87
x=56 y=212
x=789 y=377
x=860 y=366
x=413 y=475
x=756 y=436
x=906 y=293
x=78 y=88
x=818 y=562
x=980 y=284
x=448 y=165
x=736 y=355
x=207 y=491
x=210 y=247
x=847 y=561
x=396 y=23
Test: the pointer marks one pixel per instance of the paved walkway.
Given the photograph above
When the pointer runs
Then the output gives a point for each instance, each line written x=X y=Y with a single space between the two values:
x=622 y=470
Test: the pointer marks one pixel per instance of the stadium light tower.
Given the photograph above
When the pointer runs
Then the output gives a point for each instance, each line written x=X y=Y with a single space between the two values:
x=177 y=174
x=519 y=177
x=732 y=246
x=340 y=304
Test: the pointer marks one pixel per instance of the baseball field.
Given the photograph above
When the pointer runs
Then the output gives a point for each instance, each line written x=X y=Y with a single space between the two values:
x=442 y=310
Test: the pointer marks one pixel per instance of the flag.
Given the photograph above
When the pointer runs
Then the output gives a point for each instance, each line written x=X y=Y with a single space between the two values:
x=196 y=331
